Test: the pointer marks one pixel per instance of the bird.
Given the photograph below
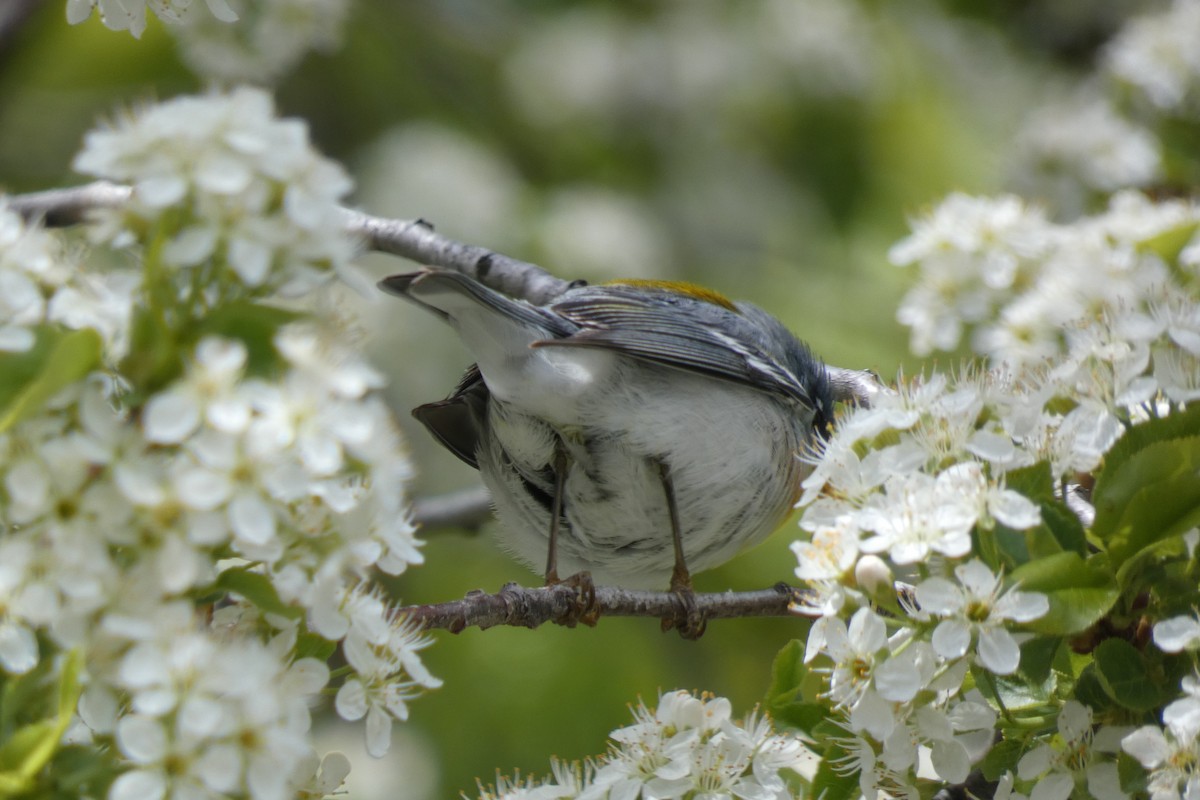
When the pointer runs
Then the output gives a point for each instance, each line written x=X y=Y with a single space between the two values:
x=630 y=433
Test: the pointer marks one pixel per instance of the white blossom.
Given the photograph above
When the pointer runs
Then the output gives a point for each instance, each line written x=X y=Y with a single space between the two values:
x=1171 y=761
x=227 y=159
x=1155 y=53
x=1176 y=634
x=269 y=39
x=688 y=747
x=1082 y=145
x=130 y=15
x=383 y=651
x=977 y=609
x=1082 y=755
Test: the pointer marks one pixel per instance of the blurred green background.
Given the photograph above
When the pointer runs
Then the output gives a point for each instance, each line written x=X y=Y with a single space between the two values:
x=772 y=150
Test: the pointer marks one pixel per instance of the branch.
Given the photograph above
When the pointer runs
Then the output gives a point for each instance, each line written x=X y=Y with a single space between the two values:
x=13 y=15
x=467 y=508
x=519 y=606
x=416 y=241
x=411 y=239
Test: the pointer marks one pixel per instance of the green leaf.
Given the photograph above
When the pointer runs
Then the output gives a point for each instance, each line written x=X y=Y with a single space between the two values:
x=1131 y=775
x=1064 y=526
x=786 y=701
x=1090 y=691
x=1125 y=677
x=830 y=783
x=155 y=357
x=257 y=588
x=1170 y=243
x=57 y=359
x=1149 y=498
x=787 y=673
x=1007 y=548
x=255 y=325
x=1041 y=542
x=30 y=748
x=69 y=688
x=24 y=753
x=1002 y=758
x=82 y=771
x=1016 y=692
x=1035 y=481
x=1038 y=656
x=1119 y=480
x=1080 y=592
x=311 y=645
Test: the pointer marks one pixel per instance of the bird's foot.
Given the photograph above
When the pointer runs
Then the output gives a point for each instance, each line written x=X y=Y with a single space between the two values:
x=689 y=620
x=584 y=607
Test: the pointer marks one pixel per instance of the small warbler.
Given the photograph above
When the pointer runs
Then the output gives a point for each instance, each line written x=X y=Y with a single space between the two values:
x=633 y=431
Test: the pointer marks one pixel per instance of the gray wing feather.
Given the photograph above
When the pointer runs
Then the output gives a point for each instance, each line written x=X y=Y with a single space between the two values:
x=678 y=331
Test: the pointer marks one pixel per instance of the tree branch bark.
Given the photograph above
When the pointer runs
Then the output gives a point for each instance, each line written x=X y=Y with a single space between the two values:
x=415 y=240
x=530 y=607
x=467 y=508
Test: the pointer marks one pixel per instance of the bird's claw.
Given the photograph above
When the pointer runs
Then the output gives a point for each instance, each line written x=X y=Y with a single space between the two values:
x=689 y=620
x=584 y=608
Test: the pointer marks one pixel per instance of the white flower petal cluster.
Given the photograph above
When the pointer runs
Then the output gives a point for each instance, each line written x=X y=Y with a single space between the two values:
x=1073 y=149
x=901 y=695
x=1094 y=327
x=250 y=190
x=1176 y=634
x=299 y=475
x=382 y=649
x=1020 y=285
x=1082 y=754
x=196 y=707
x=274 y=468
x=269 y=39
x=1156 y=54
x=975 y=609
x=1170 y=759
x=899 y=501
x=1171 y=754
x=213 y=717
x=110 y=522
x=130 y=15
x=686 y=747
x=39 y=284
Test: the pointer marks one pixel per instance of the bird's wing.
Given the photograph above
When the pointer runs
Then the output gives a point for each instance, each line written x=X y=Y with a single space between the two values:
x=677 y=330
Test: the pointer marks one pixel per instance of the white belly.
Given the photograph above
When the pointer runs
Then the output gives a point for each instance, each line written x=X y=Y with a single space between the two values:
x=731 y=457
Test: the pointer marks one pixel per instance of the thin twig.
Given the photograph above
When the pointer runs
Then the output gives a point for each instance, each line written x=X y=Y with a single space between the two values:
x=13 y=15
x=411 y=239
x=530 y=607
x=62 y=207
x=467 y=508
x=417 y=241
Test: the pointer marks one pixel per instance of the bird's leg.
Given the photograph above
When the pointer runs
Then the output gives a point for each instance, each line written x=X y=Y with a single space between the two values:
x=585 y=609
x=688 y=619
x=560 y=480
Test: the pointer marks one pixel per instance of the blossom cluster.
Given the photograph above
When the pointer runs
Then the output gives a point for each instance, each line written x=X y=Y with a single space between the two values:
x=1116 y=129
x=1107 y=297
x=686 y=747
x=1156 y=54
x=233 y=40
x=267 y=41
x=1171 y=752
x=1093 y=329
x=39 y=284
x=254 y=198
x=130 y=15
x=203 y=533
